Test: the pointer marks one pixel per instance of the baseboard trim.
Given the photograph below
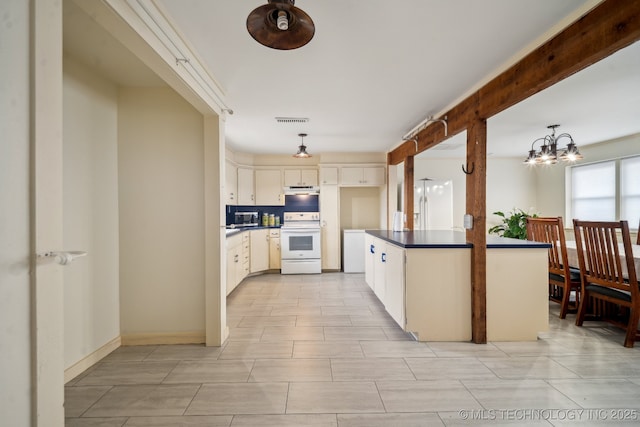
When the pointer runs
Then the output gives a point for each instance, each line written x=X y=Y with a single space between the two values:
x=91 y=359
x=166 y=338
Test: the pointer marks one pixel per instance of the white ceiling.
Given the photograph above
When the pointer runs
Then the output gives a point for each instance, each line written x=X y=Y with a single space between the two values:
x=375 y=69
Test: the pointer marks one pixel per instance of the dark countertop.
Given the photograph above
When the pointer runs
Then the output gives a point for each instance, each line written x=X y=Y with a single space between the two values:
x=434 y=239
x=235 y=230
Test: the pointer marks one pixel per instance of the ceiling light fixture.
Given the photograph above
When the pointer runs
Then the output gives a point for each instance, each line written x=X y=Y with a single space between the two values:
x=548 y=151
x=302 y=149
x=280 y=25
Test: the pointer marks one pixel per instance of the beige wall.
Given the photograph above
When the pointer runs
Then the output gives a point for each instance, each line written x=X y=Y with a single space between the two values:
x=90 y=182
x=360 y=208
x=161 y=176
x=550 y=182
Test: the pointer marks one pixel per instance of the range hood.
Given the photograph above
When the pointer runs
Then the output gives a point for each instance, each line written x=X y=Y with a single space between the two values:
x=301 y=189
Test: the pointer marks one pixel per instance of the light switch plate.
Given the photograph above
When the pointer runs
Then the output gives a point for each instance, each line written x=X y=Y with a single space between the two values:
x=468 y=221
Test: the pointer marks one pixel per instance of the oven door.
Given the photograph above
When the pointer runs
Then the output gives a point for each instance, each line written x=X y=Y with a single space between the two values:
x=300 y=243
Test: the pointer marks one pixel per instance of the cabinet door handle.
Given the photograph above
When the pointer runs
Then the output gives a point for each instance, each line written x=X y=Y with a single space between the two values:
x=372 y=249
x=383 y=257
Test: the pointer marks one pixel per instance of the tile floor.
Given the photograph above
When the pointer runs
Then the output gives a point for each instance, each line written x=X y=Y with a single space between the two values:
x=319 y=350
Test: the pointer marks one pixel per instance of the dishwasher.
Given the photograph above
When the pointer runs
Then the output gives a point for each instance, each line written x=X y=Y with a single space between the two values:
x=353 y=251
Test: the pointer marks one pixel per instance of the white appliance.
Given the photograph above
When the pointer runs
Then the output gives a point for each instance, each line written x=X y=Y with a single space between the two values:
x=353 y=251
x=433 y=205
x=300 y=243
x=398 y=221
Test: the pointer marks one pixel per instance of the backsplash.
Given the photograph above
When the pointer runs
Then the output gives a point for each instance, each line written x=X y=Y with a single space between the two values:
x=293 y=203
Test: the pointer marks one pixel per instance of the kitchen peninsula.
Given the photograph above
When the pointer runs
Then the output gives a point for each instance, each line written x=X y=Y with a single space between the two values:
x=423 y=278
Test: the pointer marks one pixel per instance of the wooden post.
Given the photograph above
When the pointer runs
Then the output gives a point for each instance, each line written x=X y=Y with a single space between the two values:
x=476 y=183
x=408 y=191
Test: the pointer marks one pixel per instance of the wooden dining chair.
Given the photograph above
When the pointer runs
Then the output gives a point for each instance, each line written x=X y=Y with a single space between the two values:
x=599 y=251
x=562 y=278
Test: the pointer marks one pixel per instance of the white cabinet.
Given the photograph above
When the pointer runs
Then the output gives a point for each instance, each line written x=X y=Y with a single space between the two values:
x=231 y=184
x=300 y=177
x=269 y=187
x=370 y=252
x=274 y=249
x=246 y=189
x=394 y=278
x=259 y=250
x=330 y=226
x=235 y=261
x=385 y=274
x=329 y=176
x=379 y=269
x=362 y=176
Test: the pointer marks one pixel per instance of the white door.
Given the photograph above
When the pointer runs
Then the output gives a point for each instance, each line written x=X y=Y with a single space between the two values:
x=47 y=286
x=31 y=312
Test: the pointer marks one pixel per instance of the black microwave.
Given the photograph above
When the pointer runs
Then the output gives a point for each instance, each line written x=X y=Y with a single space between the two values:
x=246 y=218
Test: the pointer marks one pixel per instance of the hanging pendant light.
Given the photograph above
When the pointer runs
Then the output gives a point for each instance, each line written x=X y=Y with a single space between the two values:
x=302 y=149
x=548 y=154
x=280 y=25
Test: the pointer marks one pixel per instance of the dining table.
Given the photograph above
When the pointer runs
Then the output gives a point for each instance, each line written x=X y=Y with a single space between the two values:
x=572 y=256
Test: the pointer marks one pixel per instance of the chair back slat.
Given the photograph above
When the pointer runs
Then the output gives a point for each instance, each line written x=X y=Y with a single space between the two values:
x=599 y=254
x=550 y=230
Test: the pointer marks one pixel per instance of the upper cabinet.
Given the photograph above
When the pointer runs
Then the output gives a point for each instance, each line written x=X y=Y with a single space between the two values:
x=269 y=187
x=362 y=176
x=231 y=184
x=329 y=176
x=246 y=188
x=294 y=177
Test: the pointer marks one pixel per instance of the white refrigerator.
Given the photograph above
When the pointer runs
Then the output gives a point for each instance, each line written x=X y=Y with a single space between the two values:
x=433 y=204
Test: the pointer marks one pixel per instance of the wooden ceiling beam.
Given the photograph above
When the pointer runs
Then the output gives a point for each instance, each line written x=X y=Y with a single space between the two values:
x=609 y=27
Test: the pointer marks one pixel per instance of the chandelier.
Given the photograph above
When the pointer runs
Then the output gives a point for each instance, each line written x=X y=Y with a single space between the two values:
x=548 y=151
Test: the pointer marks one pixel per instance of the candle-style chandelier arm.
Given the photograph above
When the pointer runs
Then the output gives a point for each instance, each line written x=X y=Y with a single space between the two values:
x=564 y=135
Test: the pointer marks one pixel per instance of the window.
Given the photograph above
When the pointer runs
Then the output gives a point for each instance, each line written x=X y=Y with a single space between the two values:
x=606 y=191
x=630 y=190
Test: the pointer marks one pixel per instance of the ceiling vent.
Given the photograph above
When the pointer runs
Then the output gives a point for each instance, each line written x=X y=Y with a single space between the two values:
x=292 y=119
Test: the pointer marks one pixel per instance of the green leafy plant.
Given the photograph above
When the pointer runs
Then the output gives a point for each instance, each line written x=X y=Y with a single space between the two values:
x=514 y=224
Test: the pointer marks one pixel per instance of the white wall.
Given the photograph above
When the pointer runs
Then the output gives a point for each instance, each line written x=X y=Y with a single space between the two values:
x=15 y=346
x=161 y=204
x=91 y=284
x=509 y=185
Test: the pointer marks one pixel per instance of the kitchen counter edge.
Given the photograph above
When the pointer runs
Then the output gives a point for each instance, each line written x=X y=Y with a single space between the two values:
x=231 y=231
x=439 y=239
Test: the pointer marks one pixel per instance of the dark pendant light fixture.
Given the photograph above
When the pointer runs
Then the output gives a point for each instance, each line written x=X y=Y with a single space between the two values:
x=280 y=25
x=548 y=151
x=302 y=149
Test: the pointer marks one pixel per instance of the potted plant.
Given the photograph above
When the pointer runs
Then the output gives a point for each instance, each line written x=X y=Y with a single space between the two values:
x=513 y=225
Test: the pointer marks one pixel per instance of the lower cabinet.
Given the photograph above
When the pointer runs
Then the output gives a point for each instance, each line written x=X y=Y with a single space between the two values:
x=235 y=261
x=385 y=275
x=394 y=278
x=379 y=269
x=274 y=249
x=369 y=259
x=259 y=250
